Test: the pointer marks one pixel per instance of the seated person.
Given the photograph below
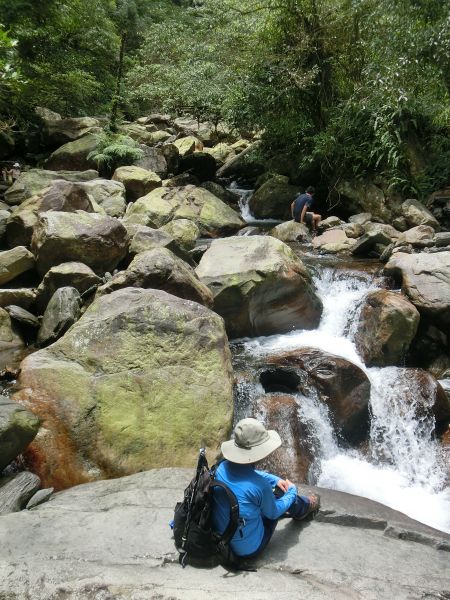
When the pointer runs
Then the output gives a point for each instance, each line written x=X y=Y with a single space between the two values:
x=299 y=209
x=257 y=492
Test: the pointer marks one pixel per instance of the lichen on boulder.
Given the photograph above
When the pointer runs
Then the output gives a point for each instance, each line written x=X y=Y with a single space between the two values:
x=164 y=391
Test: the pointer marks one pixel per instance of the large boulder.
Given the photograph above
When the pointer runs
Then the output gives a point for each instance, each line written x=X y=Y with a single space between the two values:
x=260 y=287
x=425 y=279
x=273 y=199
x=62 y=196
x=160 y=269
x=73 y=156
x=23 y=297
x=188 y=145
x=165 y=391
x=33 y=181
x=73 y=274
x=18 y=427
x=185 y=232
x=370 y=242
x=201 y=165
x=137 y=132
x=212 y=216
x=12 y=345
x=108 y=194
x=100 y=242
x=415 y=214
x=62 y=311
x=162 y=160
x=226 y=195
x=61 y=131
x=14 y=262
x=137 y=181
x=145 y=238
x=290 y=231
x=419 y=236
x=340 y=384
x=386 y=327
x=221 y=153
x=358 y=196
x=333 y=241
x=109 y=540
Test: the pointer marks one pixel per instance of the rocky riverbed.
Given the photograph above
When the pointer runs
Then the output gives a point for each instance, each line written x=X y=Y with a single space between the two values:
x=141 y=315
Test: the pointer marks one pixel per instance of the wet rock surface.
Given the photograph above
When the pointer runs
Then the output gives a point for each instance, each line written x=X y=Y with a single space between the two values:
x=122 y=525
x=386 y=327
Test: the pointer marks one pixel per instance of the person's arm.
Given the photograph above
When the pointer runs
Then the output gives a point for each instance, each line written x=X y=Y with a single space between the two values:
x=272 y=479
x=272 y=507
x=292 y=209
x=302 y=216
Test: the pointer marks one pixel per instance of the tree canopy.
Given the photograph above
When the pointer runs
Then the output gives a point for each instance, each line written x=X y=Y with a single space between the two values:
x=343 y=87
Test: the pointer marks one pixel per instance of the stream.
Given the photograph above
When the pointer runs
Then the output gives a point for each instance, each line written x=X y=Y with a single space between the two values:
x=403 y=466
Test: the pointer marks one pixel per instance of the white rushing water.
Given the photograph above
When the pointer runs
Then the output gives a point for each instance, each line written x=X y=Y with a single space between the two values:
x=244 y=207
x=405 y=468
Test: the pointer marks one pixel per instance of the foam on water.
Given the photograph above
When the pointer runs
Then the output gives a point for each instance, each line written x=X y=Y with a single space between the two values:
x=405 y=468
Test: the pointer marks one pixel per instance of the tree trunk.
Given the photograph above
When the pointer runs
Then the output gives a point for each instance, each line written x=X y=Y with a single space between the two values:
x=117 y=95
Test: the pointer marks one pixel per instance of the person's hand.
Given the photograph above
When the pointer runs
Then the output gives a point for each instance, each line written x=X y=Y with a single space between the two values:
x=284 y=484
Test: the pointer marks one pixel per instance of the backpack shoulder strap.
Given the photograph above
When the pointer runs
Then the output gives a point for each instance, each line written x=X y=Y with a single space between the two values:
x=234 y=511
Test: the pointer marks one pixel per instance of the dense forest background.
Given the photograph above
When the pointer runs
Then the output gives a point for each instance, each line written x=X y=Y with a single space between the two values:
x=339 y=87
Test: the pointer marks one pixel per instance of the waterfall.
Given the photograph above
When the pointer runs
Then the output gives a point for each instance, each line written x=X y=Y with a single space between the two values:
x=244 y=207
x=404 y=467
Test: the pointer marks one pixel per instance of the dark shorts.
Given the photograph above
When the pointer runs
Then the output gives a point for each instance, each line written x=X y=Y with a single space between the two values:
x=309 y=218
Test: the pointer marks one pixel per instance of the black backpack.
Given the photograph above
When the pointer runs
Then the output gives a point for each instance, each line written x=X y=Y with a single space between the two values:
x=193 y=533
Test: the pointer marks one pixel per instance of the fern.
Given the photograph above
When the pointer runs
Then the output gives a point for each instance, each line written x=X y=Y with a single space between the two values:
x=115 y=150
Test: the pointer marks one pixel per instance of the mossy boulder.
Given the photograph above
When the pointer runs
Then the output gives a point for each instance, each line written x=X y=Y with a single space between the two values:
x=33 y=181
x=274 y=198
x=160 y=269
x=72 y=274
x=62 y=131
x=137 y=181
x=187 y=145
x=100 y=242
x=73 y=156
x=63 y=196
x=108 y=194
x=14 y=262
x=165 y=391
x=221 y=153
x=184 y=231
x=290 y=231
x=260 y=287
x=161 y=206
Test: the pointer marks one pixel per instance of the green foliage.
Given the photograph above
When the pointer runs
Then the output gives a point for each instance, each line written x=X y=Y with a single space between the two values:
x=115 y=150
x=192 y=61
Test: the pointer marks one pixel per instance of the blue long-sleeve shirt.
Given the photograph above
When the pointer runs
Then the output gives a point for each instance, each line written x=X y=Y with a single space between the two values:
x=253 y=490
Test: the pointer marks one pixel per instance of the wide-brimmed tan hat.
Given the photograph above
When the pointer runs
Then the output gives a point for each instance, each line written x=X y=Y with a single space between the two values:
x=251 y=442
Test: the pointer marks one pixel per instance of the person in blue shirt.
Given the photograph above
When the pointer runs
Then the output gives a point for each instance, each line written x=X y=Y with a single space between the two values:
x=300 y=212
x=263 y=498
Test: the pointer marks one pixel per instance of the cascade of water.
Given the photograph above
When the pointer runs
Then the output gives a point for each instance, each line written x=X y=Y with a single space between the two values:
x=244 y=206
x=406 y=469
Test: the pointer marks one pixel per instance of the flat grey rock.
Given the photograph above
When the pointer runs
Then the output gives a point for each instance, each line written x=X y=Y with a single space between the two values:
x=39 y=497
x=110 y=540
